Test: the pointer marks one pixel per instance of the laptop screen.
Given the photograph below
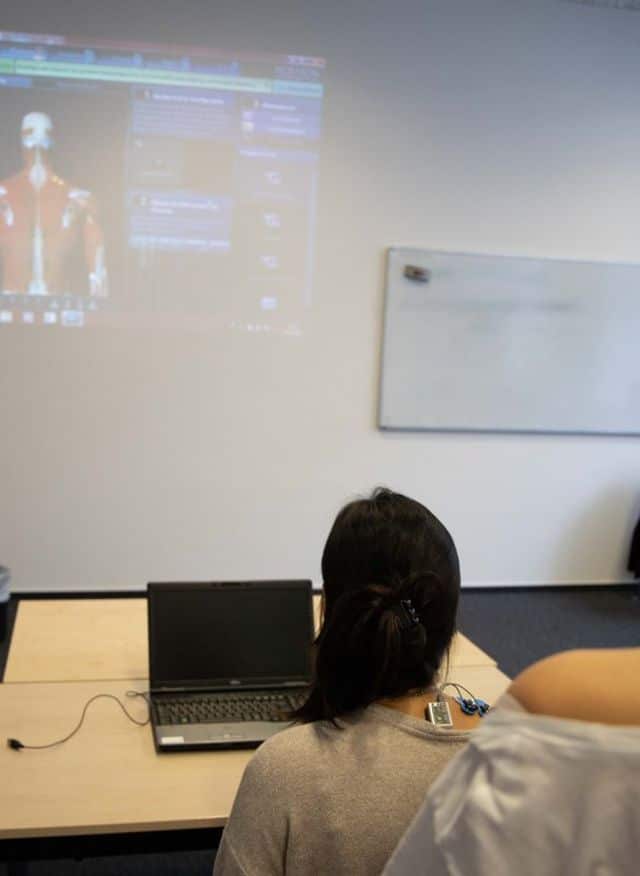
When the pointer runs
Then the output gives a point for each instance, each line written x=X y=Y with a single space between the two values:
x=230 y=634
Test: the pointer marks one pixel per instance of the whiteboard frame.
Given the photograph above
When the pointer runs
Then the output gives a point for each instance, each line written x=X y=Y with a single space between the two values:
x=413 y=254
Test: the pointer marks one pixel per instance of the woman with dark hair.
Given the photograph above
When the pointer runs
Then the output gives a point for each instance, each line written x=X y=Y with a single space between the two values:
x=335 y=794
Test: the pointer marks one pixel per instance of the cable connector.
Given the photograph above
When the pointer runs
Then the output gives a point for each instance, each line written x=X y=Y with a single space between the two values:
x=15 y=744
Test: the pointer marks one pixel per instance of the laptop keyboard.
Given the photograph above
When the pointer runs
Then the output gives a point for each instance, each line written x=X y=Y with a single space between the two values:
x=225 y=708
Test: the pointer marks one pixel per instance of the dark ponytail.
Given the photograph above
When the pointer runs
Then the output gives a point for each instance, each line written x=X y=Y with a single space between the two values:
x=391 y=580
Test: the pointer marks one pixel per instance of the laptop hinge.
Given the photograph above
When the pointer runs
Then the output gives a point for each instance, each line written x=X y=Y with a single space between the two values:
x=216 y=688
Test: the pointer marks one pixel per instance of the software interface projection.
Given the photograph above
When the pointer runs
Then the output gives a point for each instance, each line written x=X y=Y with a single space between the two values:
x=145 y=184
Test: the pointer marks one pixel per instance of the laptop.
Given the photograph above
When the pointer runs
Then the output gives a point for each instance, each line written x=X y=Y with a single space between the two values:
x=228 y=661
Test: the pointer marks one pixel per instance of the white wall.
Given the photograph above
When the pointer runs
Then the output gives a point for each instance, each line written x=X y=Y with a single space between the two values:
x=496 y=126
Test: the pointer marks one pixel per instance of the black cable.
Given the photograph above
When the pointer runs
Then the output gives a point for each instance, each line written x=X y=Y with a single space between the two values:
x=17 y=745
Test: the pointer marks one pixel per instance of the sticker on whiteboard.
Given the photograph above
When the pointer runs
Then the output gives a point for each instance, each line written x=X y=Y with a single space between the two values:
x=172 y=740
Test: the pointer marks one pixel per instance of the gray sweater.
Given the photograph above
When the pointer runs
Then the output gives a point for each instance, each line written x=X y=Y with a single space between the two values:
x=315 y=799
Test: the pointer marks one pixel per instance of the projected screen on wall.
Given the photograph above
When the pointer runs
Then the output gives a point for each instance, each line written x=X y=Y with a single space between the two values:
x=155 y=185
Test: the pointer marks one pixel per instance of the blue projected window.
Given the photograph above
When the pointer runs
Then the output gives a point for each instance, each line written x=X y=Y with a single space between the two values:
x=154 y=183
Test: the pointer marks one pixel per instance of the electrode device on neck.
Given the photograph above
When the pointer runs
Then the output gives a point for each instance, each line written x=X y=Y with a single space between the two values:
x=439 y=713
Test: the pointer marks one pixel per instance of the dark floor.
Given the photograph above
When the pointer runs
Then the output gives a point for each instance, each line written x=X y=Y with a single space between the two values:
x=168 y=864
x=7 y=616
x=515 y=626
x=518 y=626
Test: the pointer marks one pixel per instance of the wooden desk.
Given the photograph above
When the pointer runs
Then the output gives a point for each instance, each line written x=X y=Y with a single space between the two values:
x=485 y=682
x=465 y=653
x=78 y=640
x=106 y=639
x=108 y=778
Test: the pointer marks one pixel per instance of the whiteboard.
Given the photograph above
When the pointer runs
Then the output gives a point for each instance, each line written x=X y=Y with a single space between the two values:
x=510 y=344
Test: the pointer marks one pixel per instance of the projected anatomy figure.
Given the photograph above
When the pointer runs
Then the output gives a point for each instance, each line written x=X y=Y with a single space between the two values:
x=43 y=219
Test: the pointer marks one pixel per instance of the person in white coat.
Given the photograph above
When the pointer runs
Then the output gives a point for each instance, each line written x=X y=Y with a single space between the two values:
x=550 y=783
